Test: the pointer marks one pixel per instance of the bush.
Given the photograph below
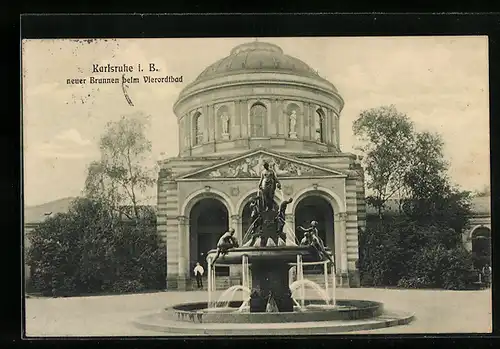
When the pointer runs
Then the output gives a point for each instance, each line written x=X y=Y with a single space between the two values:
x=458 y=272
x=381 y=258
x=413 y=282
x=396 y=252
x=139 y=255
x=127 y=286
x=87 y=250
x=442 y=267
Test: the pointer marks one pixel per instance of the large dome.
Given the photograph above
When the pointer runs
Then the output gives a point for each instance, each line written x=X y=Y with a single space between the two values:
x=258 y=97
x=257 y=56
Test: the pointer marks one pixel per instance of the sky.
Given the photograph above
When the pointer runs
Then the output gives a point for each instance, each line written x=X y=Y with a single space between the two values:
x=441 y=83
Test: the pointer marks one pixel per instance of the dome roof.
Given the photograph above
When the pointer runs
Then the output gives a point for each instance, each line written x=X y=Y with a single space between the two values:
x=257 y=56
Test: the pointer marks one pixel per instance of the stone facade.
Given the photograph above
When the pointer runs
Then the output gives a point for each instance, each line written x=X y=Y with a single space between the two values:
x=334 y=180
x=253 y=106
x=479 y=223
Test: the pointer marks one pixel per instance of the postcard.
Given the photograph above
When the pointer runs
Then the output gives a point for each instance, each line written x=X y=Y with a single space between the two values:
x=256 y=186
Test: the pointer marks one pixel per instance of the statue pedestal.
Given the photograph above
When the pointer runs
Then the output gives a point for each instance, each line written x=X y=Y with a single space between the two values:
x=293 y=135
x=269 y=227
x=225 y=136
x=270 y=277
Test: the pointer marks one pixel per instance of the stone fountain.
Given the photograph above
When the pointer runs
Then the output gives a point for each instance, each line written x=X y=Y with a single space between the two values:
x=269 y=250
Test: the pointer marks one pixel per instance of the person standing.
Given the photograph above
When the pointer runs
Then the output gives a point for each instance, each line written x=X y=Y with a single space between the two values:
x=198 y=273
x=487 y=275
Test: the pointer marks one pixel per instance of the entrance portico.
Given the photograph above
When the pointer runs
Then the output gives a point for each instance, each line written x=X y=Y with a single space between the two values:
x=207 y=207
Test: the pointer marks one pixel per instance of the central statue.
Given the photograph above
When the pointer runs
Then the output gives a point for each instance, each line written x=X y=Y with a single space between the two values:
x=269 y=247
x=267 y=187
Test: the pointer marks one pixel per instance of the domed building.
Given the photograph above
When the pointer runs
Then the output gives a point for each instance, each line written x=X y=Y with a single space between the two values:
x=257 y=104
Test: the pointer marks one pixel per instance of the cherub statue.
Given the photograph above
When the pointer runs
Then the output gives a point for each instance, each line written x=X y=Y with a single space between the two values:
x=226 y=242
x=312 y=230
x=281 y=216
x=254 y=208
x=256 y=221
x=311 y=238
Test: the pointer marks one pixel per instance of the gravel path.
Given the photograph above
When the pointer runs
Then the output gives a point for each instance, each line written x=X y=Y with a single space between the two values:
x=436 y=311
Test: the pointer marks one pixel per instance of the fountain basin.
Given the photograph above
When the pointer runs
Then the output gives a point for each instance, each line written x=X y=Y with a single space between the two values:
x=180 y=321
x=283 y=254
x=314 y=310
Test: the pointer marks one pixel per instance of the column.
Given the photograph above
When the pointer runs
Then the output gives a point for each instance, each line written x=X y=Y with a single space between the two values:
x=281 y=119
x=237 y=224
x=312 y=122
x=332 y=132
x=211 y=122
x=237 y=115
x=181 y=134
x=468 y=241
x=206 y=132
x=330 y=236
x=305 y=121
x=341 y=239
x=329 y=126
x=271 y=120
x=244 y=118
x=284 y=123
x=216 y=124
x=183 y=247
x=191 y=134
x=269 y=106
x=337 y=128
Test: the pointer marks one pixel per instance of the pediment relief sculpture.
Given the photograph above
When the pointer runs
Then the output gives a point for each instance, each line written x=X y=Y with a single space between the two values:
x=252 y=166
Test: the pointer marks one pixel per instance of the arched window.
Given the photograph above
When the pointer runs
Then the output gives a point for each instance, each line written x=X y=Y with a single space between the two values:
x=319 y=121
x=258 y=114
x=198 y=129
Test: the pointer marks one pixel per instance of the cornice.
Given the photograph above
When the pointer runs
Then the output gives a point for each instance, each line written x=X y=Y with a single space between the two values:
x=276 y=72
x=280 y=80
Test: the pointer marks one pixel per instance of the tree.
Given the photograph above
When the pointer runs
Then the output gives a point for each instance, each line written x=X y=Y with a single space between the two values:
x=119 y=178
x=82 y=251
x=380 y=256
x=400 y=160
x=431 y=198
x=427 y=173
x=423 y=246
x=386 y=136
x=403 y=253
x=485 y=191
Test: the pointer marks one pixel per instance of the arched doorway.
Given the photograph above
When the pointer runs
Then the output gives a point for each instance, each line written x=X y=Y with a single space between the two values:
x=481 y=247
x=208 y=220
x=317 y=208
